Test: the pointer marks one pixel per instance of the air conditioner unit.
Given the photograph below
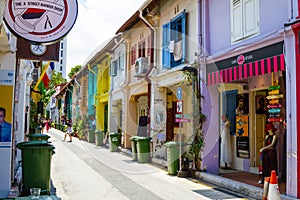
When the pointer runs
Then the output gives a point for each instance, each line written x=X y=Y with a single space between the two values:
x=141 y=65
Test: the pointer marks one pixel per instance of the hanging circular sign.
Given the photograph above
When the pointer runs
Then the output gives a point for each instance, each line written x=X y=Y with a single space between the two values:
x=41 y=21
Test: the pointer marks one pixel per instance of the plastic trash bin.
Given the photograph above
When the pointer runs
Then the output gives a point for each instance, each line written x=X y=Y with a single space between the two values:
x=172 y=157
x=39 y=136
x=36 y=165
x=133 y=147
x=114 y=141
x=38 y=130
x=91 y=136
x=143 y=149
x=99 y=138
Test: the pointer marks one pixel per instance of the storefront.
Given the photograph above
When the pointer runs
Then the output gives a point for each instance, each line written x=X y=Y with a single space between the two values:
x=244 y=88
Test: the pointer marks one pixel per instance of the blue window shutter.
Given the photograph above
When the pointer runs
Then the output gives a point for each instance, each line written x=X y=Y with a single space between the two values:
x=183 y=14
x=229 y=106
x=178 y=27
x=165 y=46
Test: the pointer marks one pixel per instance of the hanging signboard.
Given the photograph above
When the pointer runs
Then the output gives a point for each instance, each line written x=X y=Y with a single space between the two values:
x=28 y=51
x=40 y=21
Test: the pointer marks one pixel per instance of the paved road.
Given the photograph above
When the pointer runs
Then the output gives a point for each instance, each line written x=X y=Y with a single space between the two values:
x=81 y=170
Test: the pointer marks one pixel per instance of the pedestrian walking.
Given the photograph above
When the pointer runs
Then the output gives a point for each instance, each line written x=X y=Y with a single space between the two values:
x=69 y=131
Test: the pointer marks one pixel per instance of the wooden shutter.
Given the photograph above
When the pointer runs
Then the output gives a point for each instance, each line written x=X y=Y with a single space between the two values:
x=113 y=68
x=236 y=20
x=250 y=16
x=133 y=54
x=165 y=45
x=229 y=106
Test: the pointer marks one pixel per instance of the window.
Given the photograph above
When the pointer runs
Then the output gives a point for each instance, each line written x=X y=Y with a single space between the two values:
x=244 y=19
x=142 y=49
x=114 y=68
x=133 y=54
x=121 y=61
x=173 y=45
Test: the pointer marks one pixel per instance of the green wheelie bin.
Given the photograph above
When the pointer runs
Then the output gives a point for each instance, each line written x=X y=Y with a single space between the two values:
x=99 y=137
x=91 y=136
x=143 y=149
x=39 y=136
x=36 y=165
x=172 y=157
x=133 y=147
x=114 y=139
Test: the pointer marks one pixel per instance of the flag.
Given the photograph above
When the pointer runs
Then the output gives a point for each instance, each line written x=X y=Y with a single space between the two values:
x=43 y=82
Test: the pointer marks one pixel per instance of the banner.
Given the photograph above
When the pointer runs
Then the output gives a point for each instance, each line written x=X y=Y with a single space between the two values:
x=6 y=119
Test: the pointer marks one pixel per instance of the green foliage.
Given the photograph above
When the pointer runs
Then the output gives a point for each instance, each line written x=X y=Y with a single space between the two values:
x=33 y=116
x=74 y=70
x=80 y=126
x=55 y=80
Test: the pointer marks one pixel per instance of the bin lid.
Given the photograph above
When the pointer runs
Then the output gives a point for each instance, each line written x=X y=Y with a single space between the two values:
x=114 y=133
x=35 y=144
x=39 y=135
x=171 y=144
x=142 y=138
x=98 y=131
x=133 y=138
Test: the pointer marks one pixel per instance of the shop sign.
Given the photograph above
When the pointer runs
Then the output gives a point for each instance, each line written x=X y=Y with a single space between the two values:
x=187 y=116
x=242 y=147
x=179 y=105
x=40 y=21
x=182 y=120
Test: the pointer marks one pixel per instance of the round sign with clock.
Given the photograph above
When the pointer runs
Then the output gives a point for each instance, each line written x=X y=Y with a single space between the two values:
x=38 y=50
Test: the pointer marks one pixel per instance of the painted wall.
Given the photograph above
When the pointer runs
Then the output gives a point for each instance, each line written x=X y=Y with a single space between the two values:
x=116 y=93
x=291 y=111
x=219 y=31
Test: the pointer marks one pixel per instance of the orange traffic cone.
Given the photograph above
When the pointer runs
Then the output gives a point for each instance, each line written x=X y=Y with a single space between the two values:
x=266 y=188
x=273 y=193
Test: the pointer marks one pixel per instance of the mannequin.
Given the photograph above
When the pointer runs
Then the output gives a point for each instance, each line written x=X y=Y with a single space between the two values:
x=225 y=142
x=268 y=153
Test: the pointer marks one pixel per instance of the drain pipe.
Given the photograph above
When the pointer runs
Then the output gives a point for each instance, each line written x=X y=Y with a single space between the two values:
x=152 y=59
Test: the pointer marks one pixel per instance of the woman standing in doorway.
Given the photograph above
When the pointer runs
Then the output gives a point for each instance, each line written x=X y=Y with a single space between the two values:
x=225 y=142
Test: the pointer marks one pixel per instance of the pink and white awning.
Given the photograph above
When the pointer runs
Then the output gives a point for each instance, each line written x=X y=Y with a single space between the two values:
x=248 y=70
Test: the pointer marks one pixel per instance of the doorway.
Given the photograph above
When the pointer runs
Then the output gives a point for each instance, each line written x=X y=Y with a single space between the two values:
x=260 y=120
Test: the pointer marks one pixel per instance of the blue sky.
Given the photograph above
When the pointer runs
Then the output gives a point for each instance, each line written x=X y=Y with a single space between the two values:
x=97 y=21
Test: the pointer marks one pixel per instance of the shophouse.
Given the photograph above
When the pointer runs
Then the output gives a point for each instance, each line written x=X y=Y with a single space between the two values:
x=174 y=26
x=98 y=65
x=117 y=82
x=138 y=37
x=247 y=51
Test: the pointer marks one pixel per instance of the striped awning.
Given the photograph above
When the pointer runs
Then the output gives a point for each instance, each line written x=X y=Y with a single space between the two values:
x=248 y=70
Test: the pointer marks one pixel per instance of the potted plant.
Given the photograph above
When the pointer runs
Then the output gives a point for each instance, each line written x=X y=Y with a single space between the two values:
x=196 y=142
x=75 y=128
x=80 y=130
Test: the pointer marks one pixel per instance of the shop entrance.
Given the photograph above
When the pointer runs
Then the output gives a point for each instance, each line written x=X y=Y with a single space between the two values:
x=260 y=120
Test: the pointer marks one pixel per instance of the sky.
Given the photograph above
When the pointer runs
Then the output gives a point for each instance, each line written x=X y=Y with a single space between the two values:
x=97 y=21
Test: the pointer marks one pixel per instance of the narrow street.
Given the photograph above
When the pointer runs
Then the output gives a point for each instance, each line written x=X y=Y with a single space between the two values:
x=81 y=170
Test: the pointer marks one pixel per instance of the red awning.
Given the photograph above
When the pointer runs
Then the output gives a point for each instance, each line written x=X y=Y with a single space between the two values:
x=256 y=68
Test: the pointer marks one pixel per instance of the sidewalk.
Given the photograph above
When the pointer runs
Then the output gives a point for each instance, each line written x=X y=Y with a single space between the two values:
x=226 y=183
